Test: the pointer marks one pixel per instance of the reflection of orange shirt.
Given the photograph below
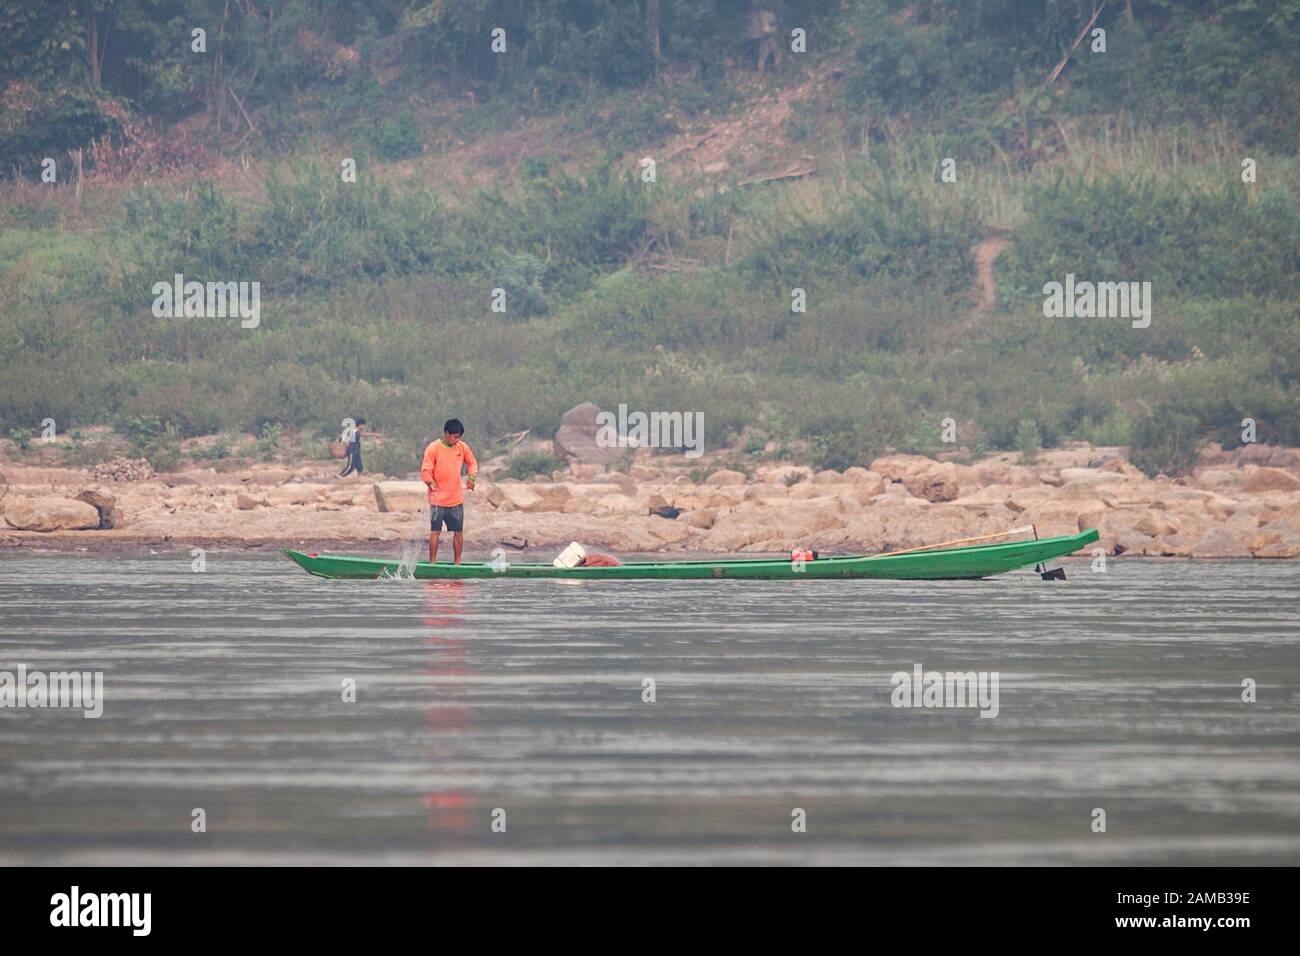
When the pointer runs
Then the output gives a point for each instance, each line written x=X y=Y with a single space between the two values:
x=442 y=467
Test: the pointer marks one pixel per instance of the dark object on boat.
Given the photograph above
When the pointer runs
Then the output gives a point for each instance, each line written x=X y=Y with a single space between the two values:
x=1055 y=574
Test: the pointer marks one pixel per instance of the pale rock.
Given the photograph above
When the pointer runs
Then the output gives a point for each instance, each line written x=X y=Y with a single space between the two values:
x=50 y=513
x=803 y=490
x=760 y=492
x=104 y=503
x=827 y=476
x=1122 y=468
x=598 y=489
x=622 y=504
x=1274 y=544
x=1219 y=542
x=901 y=502
x=866 y=482
x=672 y=532
x=580 y=506
x=784 y=474
x=294 y=494
x=1064 y=517
x=722 y=498
x=1087 y=476
x=576 y=437
x=703 y=518
x=390 y=496
x=1156 y=525
x=1174 y=546
x=921 y=476
x=725 y=477
x=1134 y=542
x=1218 y=478
x=1264 y=479
x=625 y=482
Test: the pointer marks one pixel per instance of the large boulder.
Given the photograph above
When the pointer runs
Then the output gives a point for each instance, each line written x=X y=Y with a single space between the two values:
x=399 y=496
x=519 y=496
x=766 y=492
x=1271 y=479
x=1282 y=543
x=49 y=513
x=1132 y=542
x=104 y=503
x=296 y=493
x=1068 y=516
x=1154 y=524
x=576 y=437
x=1219 y=542
x=725 y=477
x=703 y=518
x=923 y=477
x=623 y=504
x=867 y=483
x=580 y=506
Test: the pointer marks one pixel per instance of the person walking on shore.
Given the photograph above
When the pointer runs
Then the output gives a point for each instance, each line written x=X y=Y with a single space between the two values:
x=444 y=460
x=354 y=451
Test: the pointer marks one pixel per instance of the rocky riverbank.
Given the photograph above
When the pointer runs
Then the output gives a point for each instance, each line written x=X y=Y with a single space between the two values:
x=1240 y=505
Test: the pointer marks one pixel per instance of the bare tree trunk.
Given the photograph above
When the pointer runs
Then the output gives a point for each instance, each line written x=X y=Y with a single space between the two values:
x=93 y=49
x=652 y=27
x=76 y=162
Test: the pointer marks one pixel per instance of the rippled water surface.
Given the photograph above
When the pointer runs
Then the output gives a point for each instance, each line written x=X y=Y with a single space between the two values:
x=223 y=691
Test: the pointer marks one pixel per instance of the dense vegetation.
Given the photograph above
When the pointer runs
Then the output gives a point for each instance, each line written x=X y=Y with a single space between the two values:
x=675 y=294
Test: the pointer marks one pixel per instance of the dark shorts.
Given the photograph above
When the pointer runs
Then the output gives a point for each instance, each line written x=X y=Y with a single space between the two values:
x=453 y=517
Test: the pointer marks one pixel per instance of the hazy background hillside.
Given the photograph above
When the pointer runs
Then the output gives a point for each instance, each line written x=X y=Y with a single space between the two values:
x=522 y=170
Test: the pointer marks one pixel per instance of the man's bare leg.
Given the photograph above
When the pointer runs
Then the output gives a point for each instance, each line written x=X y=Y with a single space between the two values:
x=457 y=542
x=433 y=548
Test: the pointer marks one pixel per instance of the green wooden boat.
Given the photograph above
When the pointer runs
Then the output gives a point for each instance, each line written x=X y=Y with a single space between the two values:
x=922 y=565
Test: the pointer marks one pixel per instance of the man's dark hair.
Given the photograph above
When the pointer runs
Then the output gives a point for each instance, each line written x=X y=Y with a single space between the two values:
x=452 y=426
x=360 y=421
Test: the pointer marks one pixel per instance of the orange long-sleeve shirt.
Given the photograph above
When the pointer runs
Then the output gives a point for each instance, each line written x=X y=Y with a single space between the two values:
x=442 y=467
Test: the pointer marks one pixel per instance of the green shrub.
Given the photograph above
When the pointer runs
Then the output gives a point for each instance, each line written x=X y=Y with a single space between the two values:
x=525 y=464
x=1117 y=229
x=163 y=449
x=391 y=457
x=1028 y=440
x=397 y=137
x=1166 y=441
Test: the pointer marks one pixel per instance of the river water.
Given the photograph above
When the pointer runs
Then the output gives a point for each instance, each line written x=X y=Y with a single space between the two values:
x=522 y=703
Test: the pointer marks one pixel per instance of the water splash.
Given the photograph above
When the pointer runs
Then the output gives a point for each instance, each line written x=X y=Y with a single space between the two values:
x=412 y=550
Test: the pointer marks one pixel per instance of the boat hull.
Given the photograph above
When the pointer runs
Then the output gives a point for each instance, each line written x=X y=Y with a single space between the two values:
x=953 y=564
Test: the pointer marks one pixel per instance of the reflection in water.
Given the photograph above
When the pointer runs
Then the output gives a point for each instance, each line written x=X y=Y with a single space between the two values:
x=444 y=636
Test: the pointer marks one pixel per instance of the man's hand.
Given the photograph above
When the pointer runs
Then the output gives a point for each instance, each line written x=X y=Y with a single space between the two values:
x=470 y=484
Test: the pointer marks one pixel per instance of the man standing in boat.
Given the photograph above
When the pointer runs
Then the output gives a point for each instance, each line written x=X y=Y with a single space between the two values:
x=444 y=460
